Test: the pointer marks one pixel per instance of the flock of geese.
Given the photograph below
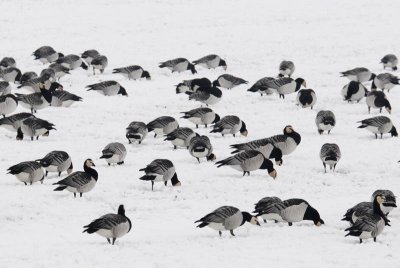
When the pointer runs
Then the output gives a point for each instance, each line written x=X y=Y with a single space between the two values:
x=367 y=219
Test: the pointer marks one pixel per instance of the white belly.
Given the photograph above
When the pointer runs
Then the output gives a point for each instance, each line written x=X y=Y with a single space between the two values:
x=324 y=127
x=272 y=217
x=114 y=159
x=217 y=226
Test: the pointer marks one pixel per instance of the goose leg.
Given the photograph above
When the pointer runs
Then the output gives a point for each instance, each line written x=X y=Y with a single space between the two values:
x=175 y=147
x=198 y=159
x=265 y=221
x=381 y=135
x=360 y=241
x=152 y=185
x=108 y=239
x=47 y=173
x=165 y=183
x=220 y=233
x=59 y=174
x=25 y=183
x=197 y=126
x=376 y=136
x=374 y=239
x=206 y=125
x=232 y=233
x=290 y=223
x=113 y=241
x=324 y=166
x=74 y=194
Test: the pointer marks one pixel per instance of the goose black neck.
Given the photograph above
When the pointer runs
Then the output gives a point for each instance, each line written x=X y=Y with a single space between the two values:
x=92 y=172
x=296 y=136
x=267 y=164
x=174 y=179
x=312 y=214
x=246 y=217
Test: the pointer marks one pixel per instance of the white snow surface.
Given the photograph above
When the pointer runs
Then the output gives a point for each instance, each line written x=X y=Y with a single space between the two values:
x=43 y=228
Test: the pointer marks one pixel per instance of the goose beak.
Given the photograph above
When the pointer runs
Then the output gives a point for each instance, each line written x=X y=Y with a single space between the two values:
x=273 y=174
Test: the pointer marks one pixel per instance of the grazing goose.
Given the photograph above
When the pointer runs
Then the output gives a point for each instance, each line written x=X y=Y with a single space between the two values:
x=296 y=210
x=306 y=98
x=354 y=91
x=325 y=121
x=7 y=62
x=63 y=98
x=80 y=181
x=11 y=74
x=100 y=62
x=330 y=155
x=72 y=62
x=181 y=137
x=5 y=88
x=390 y=200
x=264 y=146
x=226 y=218
x=50 y=72
x=264 y=86
x=46 y=54
x=286 y=68
x=379 y=125
x=89 y=55
x=8 y=104
x=110 y=226
x=209 y=96
x=359 y=74
x=384 y=81
x=57 y=161
x=201 y=116
x=285 y=85
x=178 y=65
x=390 y=60
x=44 y=80
x=133 y=72
x=27 y=172
x=378 y=100
x=230 y=124
x=136 y=131
x=228 y=81
x=34 y=127
x=162 y=125
x=249 y=161
x=14 y=122
x=114 y=153
x=211 y=62
x=287 y=142
x=108 y=88
x=59 y=70
x=269 y=208
x=200 y=146
x=27 y=76
x=193 y=85
x=371 y=223
x=160 y=170
x=35 y=101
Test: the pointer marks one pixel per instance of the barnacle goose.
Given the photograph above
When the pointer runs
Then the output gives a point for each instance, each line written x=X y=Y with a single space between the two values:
x=72 y=62
x=325 y=121
x=209 y=96
x=180 y=137
x=34 y=84
x=211 y=62
x=285 y=85
x=359 y=74
x=46 y=54
x=14 y=122
x=354 y=91
x=330 y=155
x=11 y=74
x=59 y=70
x=89 y=55
x=100 y=62
x=296 y=210
x=286 y=67
x=378 y=100
x=178 y=65
x=48 y=72
x=263 y=86
x=269 y=208
x=162 y=125
x=57 y=161
x=379 y=125
x=193 y=85
x=111 y=226
x=160 y=170
x=79 y=181
x=306 y=98
x=230 y=124
x=136 y=131
x=201 y=116
x=108 y=88
x=133 y=72
x=390 y=60
x=7 y=62
x=34 y=127
x=287 y=142
x=226 y=218
x=27 y=76
x=200 y=146
x=8 y=104
x=228 y=81
x=35 y=101
x=390 y=200
x=264 y=146
x=384 y=81
x=27 y=172
x=5 y=88
x=249 y=161
x=63 y=98
x=114 y=153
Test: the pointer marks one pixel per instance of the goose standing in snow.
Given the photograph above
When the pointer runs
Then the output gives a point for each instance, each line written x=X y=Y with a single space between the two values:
x=230 y=124
x=110 y=226
x=286 y=67
x=59 y=70
x=306 y=98
x=132 y=72
x=11 y=74
x=287 y=142
x=228 y=81
x=14 y=122
x=63 y=98
x=114 y=153
x=296 y=210
x=264 y=86
x=285 y=85
x=201 y=116
x=330 y=155
x=7 y=62
x=100 y=62
x=354 y=91
x=108 y=88
x=160 y=170
x=359 y=74
x=264 y=146
x=8 y=104
x=269 y=208
x=390 y=60
x=211 y=62
x=5 y=88
x=27 y=76
x=249 y=161
x=200 y=146
x=378 y=100
x=136 y=131
x=209 y=96
x=390 y=200
x=34 y=127
x=79 y=181
x=46 y=54
x=385 y=81
x=162 y=125
x=72 y=62
x=325 y=121
x=27 y=172
x=89 y=55
x=193 y=85
x=379 y=125
x=36 y=101
x=226 y=218
x=178 y=65
x=181 y=137
x=57 y=161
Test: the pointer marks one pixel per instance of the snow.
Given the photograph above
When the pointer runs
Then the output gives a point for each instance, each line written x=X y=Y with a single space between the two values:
x=43 y=228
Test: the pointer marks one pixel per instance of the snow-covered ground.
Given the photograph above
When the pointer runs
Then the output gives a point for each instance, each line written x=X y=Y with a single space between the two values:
x=43 y=228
